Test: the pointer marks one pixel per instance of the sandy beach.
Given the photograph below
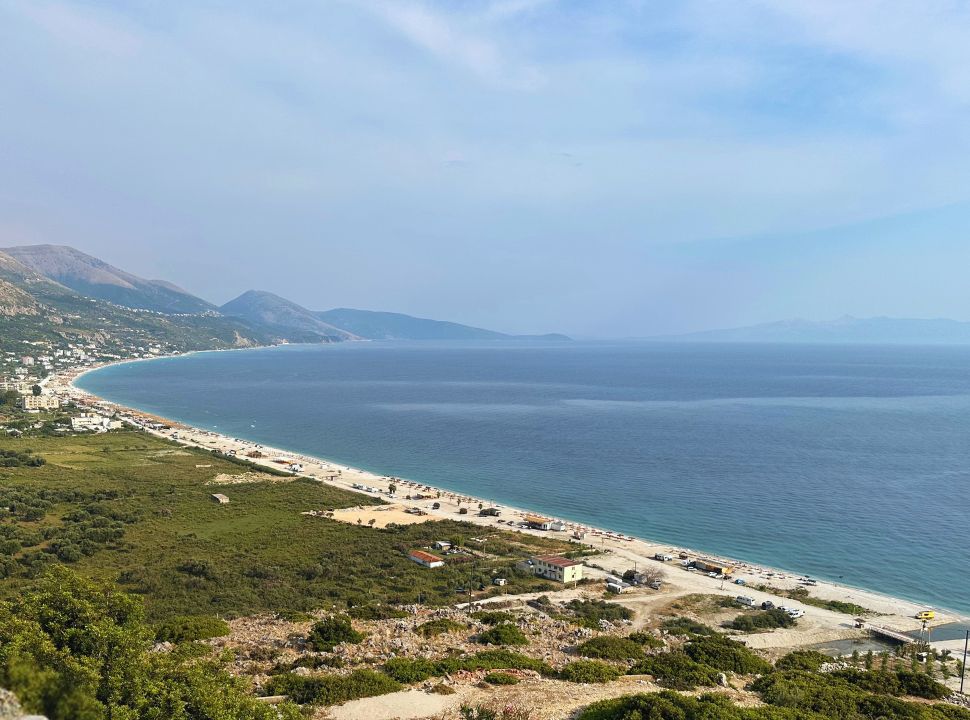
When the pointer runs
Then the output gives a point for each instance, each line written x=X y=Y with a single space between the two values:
x=616 y=552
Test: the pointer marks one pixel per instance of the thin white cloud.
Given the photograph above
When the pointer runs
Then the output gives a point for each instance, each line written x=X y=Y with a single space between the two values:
x=450 y=39
x=82 y=28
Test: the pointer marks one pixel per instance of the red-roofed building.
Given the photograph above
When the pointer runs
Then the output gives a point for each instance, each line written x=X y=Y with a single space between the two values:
x=425 y=558
x=557 y=567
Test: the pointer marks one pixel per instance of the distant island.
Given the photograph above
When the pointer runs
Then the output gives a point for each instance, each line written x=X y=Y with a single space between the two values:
x=844 y=330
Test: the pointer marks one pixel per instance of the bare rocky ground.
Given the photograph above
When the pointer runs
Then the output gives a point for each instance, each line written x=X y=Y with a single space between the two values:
x=260 y=643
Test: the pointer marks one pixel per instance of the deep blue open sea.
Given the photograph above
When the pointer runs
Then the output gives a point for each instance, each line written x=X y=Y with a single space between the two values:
x=845 y=462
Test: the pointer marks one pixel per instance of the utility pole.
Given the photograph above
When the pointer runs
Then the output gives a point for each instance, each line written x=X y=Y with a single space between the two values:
x=963 y=675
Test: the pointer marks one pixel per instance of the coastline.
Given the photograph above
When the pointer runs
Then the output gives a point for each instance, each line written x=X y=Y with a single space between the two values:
x=621 y=551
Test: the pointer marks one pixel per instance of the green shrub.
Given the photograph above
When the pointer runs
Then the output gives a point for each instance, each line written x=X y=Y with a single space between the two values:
x=668 y=705
x=723 y=653
x=504 y=660
x=438 y=627
x=589 y=613
x=646 y=639
x=767 y=620
x=503 y=634
x=74 y=649
x=412 y=670
x=189 y=628
x=500 y=678
x=589 y=671
x=686 y=626
x=493 y=617
x=921 y=685
x=610 y=647
x=331 y=689
x=803 y=660
x=676 y=670
x=376 y=612
x=838 y=606
x=332 y=631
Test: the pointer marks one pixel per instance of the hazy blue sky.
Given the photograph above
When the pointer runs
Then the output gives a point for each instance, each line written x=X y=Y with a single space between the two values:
x=608 y=168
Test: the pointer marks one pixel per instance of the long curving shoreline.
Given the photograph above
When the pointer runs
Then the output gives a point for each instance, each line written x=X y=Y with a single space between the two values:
x=622 y=551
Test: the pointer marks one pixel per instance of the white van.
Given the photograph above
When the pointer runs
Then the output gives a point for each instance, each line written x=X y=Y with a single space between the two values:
x=744 y=600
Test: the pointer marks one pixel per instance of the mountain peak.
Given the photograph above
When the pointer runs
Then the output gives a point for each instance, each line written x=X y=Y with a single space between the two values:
x=95 y=278
x=270 y=310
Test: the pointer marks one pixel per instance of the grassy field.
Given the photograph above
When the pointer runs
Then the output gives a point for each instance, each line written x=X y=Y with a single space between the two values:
x=127 y=507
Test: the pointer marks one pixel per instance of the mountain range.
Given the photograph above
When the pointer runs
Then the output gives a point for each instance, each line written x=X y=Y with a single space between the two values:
x=68 y=293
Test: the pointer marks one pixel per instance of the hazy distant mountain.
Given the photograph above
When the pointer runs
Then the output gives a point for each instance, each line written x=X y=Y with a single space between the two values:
x=56 y=290
x=95 y=278
x=395 y=326
x=877 y=330
x=35 y=308
x=284 y=316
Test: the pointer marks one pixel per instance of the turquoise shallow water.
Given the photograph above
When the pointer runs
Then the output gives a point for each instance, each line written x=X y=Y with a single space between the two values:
x=849 y=463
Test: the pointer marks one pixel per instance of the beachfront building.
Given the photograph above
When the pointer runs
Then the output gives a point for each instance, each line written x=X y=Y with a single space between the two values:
x=713 y=566
x=537 y=522
x=558 y=568
x=34 y=403
x=425 y=558
x=89 y=422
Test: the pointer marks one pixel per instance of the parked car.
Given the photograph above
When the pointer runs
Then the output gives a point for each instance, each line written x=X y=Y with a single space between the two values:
x=740 y=581
x=796 y=613
x=744 y=600
x=925 y=615
x=767 y=605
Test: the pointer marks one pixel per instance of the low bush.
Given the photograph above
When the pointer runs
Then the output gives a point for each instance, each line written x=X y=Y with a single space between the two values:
x=589 y=613
x=412 y=670
x=439 y=627
x=13 y=459
x=376 y=612
x=190 y=628
x=646 y=640
x=676 y=670
x=493 y=617
x=332 y=631
x=838 y=606
x=802 y=660
x=767 y=620
x=722 y=653
x=331 y=689
x=610 y=647
x=668 y=705
x=686 y=626
x=503 y=634
x=589 y=671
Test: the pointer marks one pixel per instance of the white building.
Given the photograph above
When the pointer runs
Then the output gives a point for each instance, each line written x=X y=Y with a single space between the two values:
x=93 y=423
x=557 y=567
x=425 y=558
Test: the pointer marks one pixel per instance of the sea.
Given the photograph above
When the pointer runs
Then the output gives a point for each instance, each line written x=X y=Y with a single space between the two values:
x=849 y=463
